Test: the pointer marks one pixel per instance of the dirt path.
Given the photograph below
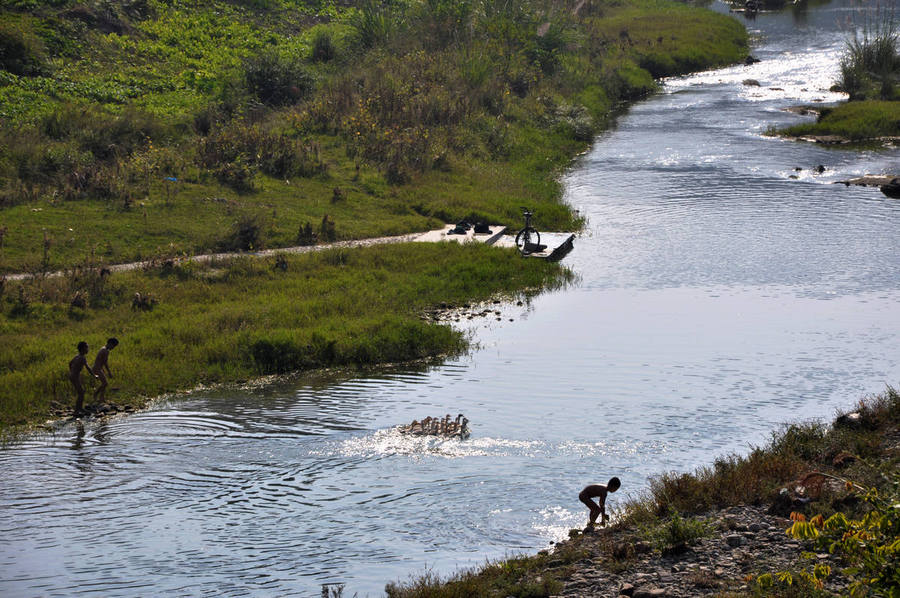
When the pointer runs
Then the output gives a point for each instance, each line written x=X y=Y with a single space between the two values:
x=260 y=254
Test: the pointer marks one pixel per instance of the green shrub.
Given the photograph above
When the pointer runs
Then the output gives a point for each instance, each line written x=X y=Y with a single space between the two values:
x=21 y=52
x=676 y=533
x=276 y=79
x=323 y=48
x=871 y=62
x=870 y=544
x=248 y=233
x=236 y=151
x=374 y=23
x=277 y=354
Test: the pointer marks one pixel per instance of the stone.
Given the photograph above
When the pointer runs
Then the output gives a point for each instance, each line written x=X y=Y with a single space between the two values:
x=623 y=550
x=755 y=527
x=649 y=593
x=577 y=584
x=627 y=589
x=734 y=540
x=642 y=547
x=751 y=83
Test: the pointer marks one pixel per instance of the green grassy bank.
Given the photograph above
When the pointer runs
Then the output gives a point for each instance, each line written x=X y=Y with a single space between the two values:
x=155 y=127
x=854 y=121
x=850 y=470
x=243 y=318
x=869 y=69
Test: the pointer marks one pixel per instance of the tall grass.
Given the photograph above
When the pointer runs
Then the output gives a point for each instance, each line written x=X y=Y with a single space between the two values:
x=871 y=62
x=855 y=121
x=423 y=112
x=243 y=318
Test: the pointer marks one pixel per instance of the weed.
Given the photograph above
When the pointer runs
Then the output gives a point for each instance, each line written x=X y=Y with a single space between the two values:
x=276 y=79
x=306 y=235
x=21 y=51
x=248 y=233
x=327 y=231
x=323 y=48
x=676 y=533
x=871 y=61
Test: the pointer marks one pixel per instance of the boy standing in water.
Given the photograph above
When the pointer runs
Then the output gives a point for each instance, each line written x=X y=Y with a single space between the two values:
x=100 y=362
x=598 y=491
x=75 y=365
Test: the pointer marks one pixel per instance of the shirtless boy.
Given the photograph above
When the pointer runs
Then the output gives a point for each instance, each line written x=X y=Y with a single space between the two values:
x=78 y=362
x=598 y=491
x=100 y=362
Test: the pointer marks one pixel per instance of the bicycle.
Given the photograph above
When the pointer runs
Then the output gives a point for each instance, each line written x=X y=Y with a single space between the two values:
x=528 y=239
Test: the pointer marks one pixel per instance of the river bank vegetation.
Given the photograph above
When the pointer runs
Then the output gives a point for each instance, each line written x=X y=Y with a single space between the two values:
x=187 y=324
x=153 y=129
x=869 y=71
x=134 y=129
x=834 y=485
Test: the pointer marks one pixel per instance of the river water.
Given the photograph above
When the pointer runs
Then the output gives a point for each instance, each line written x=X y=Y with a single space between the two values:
x=718 y=297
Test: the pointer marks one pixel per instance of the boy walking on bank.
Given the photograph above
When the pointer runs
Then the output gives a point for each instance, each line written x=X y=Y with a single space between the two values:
x=598 y=491
x=75 y=365
x=100 y=362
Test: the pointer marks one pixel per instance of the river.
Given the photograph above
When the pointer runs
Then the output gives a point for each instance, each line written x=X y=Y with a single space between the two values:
x=720 y=293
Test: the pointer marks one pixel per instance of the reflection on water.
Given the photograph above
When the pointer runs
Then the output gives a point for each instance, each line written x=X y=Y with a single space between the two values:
x=721 y=291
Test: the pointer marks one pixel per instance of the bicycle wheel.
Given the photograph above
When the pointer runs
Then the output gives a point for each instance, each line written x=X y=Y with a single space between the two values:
x=527 y=236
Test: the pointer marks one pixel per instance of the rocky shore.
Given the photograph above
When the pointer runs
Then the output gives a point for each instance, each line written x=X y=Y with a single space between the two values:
x=744 y=542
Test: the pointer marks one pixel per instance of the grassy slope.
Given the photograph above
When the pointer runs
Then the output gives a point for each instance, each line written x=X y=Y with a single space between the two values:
x=490 y=117
x=405 y=127
x=856 y=121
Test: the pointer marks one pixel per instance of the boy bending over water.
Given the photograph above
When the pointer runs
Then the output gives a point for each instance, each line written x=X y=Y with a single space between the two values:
x=598 y=491
x=78 y=362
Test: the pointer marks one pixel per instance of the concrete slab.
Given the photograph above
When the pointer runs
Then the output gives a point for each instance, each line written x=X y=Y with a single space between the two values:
x=436 y=236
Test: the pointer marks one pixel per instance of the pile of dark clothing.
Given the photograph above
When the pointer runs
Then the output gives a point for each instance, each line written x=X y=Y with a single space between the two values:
x=463 y=226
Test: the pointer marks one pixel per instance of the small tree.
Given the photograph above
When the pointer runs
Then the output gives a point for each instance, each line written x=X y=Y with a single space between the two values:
x=869 y=544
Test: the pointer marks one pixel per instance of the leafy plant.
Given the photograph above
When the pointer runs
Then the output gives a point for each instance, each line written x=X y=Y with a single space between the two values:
x=21 y=52
x=870 y=543
x=277 y=79
x=248 y=233
x=676 y=533
x=323 y=48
